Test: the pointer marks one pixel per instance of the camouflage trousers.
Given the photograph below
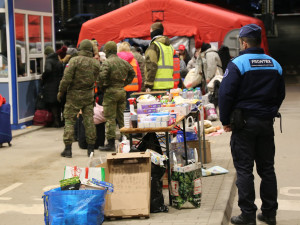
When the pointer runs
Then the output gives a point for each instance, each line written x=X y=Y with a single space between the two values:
x=70 y=114
x=114 y=103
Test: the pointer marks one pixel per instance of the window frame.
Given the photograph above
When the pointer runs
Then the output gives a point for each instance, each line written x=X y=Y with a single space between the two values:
x=29 y=57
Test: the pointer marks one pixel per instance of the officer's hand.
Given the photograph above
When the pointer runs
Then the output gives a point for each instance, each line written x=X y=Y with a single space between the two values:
x=59 y=96
x=227 y=128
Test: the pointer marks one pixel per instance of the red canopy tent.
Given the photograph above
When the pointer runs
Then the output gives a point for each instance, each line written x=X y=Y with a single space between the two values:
x=179 y=17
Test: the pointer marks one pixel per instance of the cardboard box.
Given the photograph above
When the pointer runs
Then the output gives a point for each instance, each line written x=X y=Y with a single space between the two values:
x=195 y=144
x=130 y=173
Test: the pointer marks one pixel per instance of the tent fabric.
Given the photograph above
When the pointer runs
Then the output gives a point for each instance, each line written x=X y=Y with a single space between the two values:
x=205 y=23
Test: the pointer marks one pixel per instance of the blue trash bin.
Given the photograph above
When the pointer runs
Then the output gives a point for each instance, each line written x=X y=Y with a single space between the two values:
x=75 y=207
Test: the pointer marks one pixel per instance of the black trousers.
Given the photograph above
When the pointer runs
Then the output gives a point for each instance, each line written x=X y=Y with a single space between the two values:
x=255 y=143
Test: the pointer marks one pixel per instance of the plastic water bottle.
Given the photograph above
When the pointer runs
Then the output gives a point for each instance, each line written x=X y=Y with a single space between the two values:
x=190 y=94
x=184 y=94
x=198 y=89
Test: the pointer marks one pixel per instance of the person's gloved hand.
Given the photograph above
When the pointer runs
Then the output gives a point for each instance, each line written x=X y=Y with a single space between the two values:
x=59 y=96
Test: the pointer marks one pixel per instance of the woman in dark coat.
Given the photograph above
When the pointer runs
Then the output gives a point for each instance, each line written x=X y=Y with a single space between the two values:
x=50 y=81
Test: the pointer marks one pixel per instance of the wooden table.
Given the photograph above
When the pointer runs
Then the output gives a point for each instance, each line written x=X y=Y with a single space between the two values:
x=179 y=119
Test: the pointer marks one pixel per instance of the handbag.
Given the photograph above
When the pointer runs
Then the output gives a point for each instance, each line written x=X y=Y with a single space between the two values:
x=42 y=117
x=192 y=79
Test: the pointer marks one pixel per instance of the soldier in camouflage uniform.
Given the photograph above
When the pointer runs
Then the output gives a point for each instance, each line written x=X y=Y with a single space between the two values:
x=78 y=82
x=115 y=74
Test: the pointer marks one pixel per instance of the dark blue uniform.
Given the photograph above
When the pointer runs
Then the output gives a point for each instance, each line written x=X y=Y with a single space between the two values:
x=254 y=83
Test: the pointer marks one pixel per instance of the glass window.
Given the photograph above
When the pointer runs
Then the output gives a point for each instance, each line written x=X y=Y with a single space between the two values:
x=34 y=32
x=20 y=44
x=47 y=31
x=2 y=4
x=36 y=66
x=3 y=49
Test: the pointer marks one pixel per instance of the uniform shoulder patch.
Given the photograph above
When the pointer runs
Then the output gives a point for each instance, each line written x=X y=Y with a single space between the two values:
x=261 y=63
x=67 y=65
x=226 y=73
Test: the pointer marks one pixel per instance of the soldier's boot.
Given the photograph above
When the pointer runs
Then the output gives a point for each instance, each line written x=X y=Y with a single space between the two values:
x=67 y=151
x=109 y=147
x=90 y=149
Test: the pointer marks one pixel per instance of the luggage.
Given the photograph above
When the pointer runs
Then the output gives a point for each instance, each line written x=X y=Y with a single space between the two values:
x=42 y=117
x=5 y=127
x=100 y=134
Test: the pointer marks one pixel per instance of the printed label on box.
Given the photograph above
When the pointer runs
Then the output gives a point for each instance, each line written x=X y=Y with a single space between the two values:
x=197 y=186
x=175 y=188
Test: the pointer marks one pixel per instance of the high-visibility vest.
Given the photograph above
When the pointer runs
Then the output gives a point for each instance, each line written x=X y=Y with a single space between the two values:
x=164 y=74
x=134 y=86
x=176 y=72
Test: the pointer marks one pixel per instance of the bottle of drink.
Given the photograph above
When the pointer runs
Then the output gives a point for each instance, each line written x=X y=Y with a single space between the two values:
x=127 y=118
x=199 y=93
x=190 y=94
x=184 y=94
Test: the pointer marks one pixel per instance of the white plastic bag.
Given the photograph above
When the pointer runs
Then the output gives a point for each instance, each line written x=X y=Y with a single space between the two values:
x=98 y=114
x=192 y=79
x=211 y=112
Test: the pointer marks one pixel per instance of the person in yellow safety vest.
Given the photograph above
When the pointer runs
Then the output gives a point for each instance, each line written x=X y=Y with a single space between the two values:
x=125 y=53
x=176 y=68
x=159 y=60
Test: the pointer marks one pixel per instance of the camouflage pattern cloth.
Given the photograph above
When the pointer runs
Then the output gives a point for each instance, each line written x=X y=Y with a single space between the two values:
x=115 y=74
x=141 y=62
x=78 y=82
x=151 y=59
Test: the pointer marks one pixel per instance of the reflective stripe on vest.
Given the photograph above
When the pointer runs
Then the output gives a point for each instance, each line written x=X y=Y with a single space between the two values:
x=133 y=86
x=164 y=74
x=176 y=72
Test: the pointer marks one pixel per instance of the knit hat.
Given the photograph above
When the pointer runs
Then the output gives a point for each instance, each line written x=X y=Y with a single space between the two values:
x=251 y=31
x=62 y=52
x=156 y=26
x=86 y=45
x=205 y=46
x=48 y=50
x=110 y=48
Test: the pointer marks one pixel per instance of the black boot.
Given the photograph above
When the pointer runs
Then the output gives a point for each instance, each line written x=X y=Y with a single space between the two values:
x=109 y=147
x=90 y=149
x=67 y=152
x=242 y=220
x=271 y=220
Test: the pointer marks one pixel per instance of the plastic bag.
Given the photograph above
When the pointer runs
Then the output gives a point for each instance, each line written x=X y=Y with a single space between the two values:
x=190 y=136
x=99 y=114
x=211 y=112
x=186 y=186
x=192 y=79
x=74 y=207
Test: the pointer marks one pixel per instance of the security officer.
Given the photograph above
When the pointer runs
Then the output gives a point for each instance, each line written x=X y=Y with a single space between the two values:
x=250 y=96
x=115 y=74
x=78 y=82
x=159 y=60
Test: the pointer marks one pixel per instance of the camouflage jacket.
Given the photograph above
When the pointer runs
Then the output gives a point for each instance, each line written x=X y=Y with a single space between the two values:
x=151 y=59
x=79 y=77
x=115 y=73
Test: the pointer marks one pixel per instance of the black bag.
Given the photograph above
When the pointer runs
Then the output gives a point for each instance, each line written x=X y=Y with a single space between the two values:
x=237 y=121
x=157 y=199
x=100 y=134
x=150 y=141
x=224 y=56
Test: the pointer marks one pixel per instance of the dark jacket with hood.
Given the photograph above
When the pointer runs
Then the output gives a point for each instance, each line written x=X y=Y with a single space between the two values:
x=51 y=77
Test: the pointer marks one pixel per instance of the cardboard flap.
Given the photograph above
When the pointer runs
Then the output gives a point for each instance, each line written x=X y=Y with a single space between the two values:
x=128 y=155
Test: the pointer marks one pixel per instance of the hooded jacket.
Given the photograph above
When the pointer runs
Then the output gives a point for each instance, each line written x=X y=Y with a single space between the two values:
x=51 y=77
x=211 y=63
x=152 y=55
x=128 y=56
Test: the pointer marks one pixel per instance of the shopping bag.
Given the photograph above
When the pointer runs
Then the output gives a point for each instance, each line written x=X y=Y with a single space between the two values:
x=98 y=114
x=186 y=186
x=76 y=207
x=192 y=79
x=84 y=173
